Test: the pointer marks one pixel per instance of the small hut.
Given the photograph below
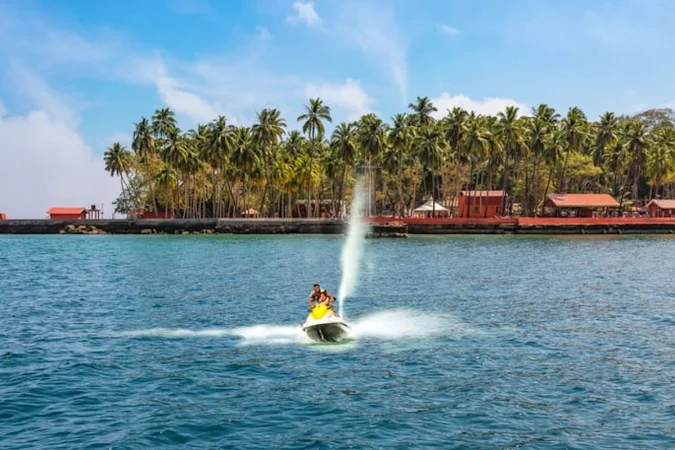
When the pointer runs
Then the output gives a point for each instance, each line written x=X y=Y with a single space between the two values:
x=67 y=213
x=580 y=205
x=250 y=213
x=431 y=209
x=661 y=208
x=481 y=203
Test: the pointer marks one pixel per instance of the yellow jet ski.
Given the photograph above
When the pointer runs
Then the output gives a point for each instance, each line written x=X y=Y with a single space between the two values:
x=324 y=325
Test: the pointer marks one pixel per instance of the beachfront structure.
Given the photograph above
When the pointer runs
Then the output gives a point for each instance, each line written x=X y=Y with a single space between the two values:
x=325 y=208
x=580 y=205
x=3 y=216
x=67 y=213
x=429 y=210
x=481 y=203
x=661 y=208
x=143 y=214
x=250 y=213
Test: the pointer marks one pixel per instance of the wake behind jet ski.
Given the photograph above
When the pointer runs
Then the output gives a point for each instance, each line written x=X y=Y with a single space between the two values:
x=323 y=324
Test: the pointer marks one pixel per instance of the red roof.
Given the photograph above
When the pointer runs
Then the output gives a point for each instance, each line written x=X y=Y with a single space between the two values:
x=66 y=210
x=581 y=201
x=663 y=203
x=483 y=193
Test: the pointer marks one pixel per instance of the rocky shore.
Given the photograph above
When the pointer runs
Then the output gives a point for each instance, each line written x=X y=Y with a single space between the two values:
x=379 y=227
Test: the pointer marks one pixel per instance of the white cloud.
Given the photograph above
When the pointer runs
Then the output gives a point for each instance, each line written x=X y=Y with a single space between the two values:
x=373 y=30
x=42 y=96
x=487 y=106
x=3 y=110
x=448 y=30
x=45 y=163
x=304 y=12
x=348 y=96
x=184 y=102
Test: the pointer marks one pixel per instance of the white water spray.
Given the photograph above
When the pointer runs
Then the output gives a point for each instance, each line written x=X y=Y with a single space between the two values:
x=353 y=247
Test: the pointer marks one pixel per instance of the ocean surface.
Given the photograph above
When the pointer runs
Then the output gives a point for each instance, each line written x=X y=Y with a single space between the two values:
x=491 y=342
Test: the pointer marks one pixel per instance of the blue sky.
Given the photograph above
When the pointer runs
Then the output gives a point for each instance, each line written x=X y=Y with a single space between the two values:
x=80 y=73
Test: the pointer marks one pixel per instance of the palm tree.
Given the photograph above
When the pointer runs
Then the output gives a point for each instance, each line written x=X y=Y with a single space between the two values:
x=219 y=149
x=453 y=128
x=163 y=122
x=372 y=140
x=431 y=146
x=475 y=144
x=245 y=159
x=661 y=157
x=574 y=129
x=118 y=161
x=315 y=113
x=423 y=108
x=636 y=146
x=267 y=133
x=343 y=144
x=143 y=144
x=512 y=135
x=401 y=139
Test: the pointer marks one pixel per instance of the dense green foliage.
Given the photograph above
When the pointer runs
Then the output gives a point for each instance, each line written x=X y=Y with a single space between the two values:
x=220 y=170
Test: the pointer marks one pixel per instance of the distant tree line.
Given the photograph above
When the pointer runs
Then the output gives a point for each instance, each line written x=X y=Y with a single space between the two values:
x=221 y=170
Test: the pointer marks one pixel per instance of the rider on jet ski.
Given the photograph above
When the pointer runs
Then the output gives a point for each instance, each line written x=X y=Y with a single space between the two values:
x=320 y=296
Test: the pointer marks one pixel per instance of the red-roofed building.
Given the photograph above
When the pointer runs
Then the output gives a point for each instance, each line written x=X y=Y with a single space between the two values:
x=143 y=214
x=480 y=203
x=661 y=208
x=580 y=205
x=67 y=213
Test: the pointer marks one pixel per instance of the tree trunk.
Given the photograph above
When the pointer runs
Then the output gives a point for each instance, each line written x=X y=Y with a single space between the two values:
x=561 y=186
x=505 y=178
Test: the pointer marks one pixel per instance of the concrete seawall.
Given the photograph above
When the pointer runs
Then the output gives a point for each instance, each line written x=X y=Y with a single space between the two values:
x=177 y=226
x=380 y=226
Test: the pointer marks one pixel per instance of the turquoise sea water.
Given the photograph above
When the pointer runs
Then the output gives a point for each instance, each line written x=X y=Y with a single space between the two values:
x=493 y=342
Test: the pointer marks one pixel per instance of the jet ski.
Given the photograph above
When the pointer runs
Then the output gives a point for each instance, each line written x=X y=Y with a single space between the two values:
x=324 y=325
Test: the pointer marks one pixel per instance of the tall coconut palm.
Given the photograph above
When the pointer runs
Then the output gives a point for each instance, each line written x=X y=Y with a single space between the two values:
x=401 y=139
x=431 y=145
x=294 y=144
x=174 y=154
x=423 y=108
x=343 y=144
x=512 y=135
x=118 y=161
x=315 y=113
x=637 y=144
x=661 y=157
x=453 y=128
x=372 y=140
x=143 y=144
x=245 y=158
x=475 y=144
x=221 y=143
x=163 y=123
x=546 y=115
x=574 y=128
x=267 y=133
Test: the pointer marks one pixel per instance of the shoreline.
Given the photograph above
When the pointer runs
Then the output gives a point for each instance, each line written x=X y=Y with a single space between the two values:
x=380 y=226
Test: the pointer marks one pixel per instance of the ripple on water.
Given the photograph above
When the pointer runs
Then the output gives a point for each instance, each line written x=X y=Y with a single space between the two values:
x=459 y=342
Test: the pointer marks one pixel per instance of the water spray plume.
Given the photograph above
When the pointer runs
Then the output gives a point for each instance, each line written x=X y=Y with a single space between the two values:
x=353 y=247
